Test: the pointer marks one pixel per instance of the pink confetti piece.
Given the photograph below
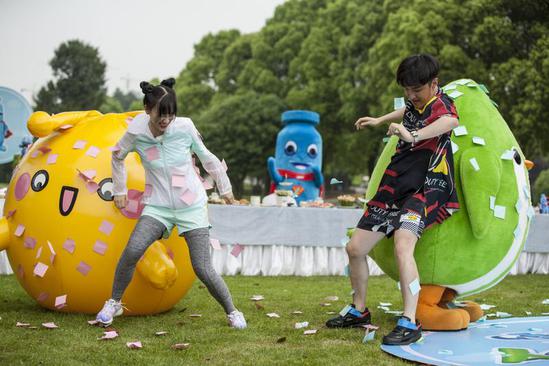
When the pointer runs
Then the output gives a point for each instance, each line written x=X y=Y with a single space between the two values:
x=22 y=325
x=44 y=149
x=92 y=322
x=80 y=144
x=50 y=325
x=100 y=247
x=179 y=181
x=91 y=186
x=134 y=345
x=10 y=213
x=310 y=331
x=88 y=174
x=180 y=346
x=188 y=197
x=19 y=230
x=39 y=252
x=35 y=154
x=106 y=227
x=69 y=245
x=29 y=242
x=20 y=271
x=109 y=334
x=52 y=252
x=148 y=190
x=61 y=301
x=207 y=185
x=52 y=159
x=40 y=269
x=237 y=249
x=152 y=153
x=132 y=206
x=215 y=244
x=43 y=296
x=83 y=268
x=114 y=148
x=65 y=127
x=93 y=151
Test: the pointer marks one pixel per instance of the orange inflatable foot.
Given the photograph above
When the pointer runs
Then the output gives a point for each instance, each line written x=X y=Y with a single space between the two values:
x=474 y=310
x=433 y=316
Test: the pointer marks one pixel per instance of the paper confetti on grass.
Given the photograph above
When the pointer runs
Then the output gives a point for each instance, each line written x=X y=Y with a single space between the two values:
x=180 y=346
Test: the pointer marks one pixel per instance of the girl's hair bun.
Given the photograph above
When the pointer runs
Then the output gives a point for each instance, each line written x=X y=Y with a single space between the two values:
x=168 y=82
x=146 y=87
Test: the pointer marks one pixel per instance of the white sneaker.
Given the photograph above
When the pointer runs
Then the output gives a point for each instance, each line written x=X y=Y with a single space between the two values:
x=111 y=309
x=236 y=320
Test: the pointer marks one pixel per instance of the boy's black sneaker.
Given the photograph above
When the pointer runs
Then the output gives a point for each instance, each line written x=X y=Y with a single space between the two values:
x=404 y=333
x=349 y=317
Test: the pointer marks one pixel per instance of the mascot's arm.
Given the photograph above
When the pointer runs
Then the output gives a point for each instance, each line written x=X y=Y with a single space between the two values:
x=273 y=173
x=478 y=186
x=157 y=267
x=41 y=124
x=319 y=178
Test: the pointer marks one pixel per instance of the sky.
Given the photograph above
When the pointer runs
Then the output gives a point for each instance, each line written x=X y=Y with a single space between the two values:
x=138 y=39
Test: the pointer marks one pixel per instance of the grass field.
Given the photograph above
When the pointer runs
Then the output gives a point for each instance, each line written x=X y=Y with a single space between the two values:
x=267 y=341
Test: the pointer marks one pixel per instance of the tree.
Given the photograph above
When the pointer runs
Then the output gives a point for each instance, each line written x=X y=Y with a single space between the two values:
x=79 y=79
x=242 y=130
x=339 y=57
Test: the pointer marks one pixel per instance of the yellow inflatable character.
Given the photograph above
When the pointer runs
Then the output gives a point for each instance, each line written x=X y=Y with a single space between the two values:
x=62 y=232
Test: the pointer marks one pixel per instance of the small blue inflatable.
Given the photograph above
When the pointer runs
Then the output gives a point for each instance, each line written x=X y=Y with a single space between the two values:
x=298 y=156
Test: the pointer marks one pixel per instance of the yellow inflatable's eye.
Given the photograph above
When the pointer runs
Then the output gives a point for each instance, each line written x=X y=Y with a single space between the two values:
x=40 y=180
x=105 y=189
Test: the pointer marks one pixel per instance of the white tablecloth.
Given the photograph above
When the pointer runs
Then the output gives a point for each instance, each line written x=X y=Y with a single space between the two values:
x=308 y=241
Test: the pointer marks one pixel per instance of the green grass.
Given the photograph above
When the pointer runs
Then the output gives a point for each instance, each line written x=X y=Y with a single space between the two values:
x=212 y=342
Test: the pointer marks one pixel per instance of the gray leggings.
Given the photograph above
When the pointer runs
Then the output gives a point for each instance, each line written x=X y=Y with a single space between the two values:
x=146 y=231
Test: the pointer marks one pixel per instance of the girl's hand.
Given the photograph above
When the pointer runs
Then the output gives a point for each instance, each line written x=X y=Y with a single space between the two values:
x=400 y=131
x=367 y=121
x=229 y=199
x=120 y=201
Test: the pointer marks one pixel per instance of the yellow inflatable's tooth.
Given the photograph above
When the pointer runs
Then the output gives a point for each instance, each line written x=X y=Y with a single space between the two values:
x=157 y=267
x=4 y=234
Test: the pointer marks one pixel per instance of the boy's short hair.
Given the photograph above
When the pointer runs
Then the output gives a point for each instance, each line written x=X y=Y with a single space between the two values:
x=417 y=70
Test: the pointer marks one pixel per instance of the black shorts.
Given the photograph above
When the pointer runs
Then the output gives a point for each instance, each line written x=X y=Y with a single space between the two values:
x=411 y=217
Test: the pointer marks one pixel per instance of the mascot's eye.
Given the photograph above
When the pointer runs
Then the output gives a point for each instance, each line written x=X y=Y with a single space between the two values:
x=105 y=189
x=290 y=148
x=312 y=150
x=517 y=157
x=40 y=180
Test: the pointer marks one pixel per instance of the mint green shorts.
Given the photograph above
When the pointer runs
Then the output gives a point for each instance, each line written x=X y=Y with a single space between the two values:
x=186 y=219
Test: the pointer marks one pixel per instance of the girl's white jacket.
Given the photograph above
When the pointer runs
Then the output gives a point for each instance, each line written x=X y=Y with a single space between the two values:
x=171 y=179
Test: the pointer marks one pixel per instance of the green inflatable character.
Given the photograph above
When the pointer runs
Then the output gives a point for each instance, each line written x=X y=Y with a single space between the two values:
x=475 y=248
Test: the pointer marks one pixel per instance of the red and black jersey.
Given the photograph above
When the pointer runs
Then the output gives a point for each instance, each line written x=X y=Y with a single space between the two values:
x=420 y=178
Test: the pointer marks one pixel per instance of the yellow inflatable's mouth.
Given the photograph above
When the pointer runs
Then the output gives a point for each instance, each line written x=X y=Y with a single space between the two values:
x=67 y=199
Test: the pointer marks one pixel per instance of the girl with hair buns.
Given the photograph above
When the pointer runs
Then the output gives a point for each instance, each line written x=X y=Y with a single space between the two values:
x=172 y=140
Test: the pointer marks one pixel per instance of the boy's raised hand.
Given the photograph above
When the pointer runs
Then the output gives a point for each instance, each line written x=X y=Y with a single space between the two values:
x=367 y=121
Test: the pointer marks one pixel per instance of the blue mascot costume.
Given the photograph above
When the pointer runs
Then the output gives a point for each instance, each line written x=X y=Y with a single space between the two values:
x=298 y=156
